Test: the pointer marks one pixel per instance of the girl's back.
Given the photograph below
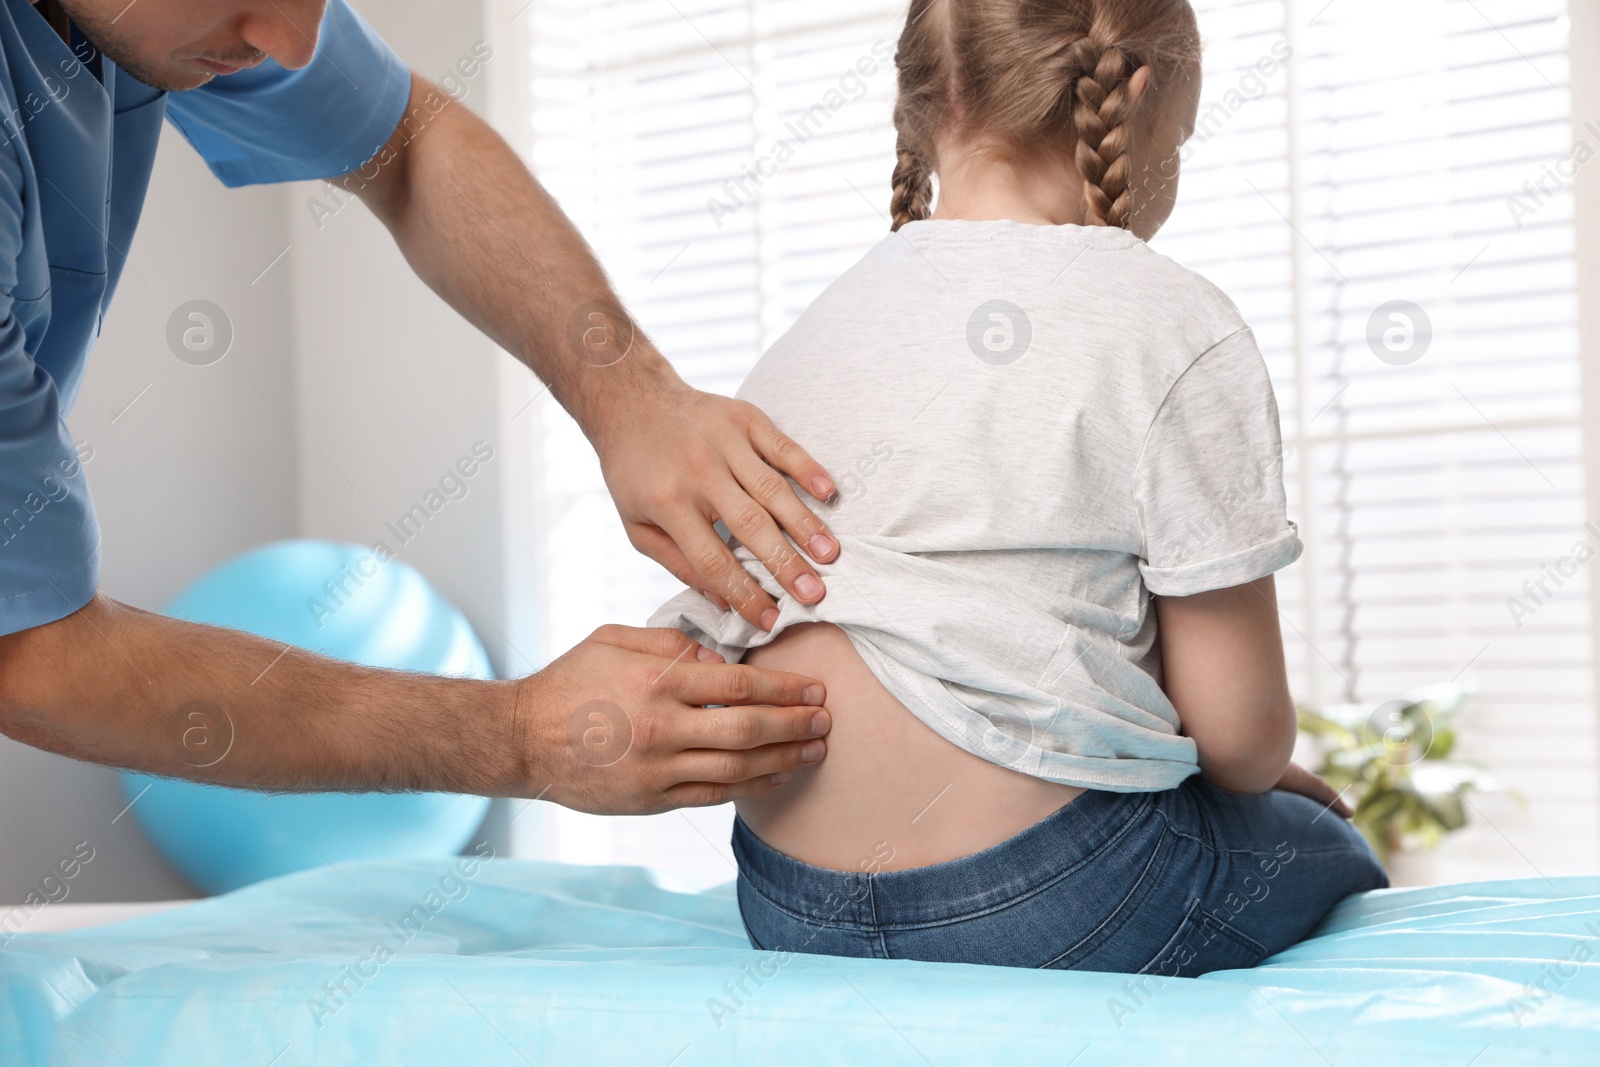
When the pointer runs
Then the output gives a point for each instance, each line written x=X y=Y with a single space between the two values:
x=1025 y=423
x=1049 y=441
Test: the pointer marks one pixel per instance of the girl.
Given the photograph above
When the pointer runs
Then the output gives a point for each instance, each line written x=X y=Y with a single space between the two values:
x=1051 y=643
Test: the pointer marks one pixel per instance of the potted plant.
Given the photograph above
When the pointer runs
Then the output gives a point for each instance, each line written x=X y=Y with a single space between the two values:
x=1394 y=760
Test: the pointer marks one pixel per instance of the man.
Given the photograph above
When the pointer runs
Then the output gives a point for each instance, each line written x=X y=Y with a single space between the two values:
x=277 y=90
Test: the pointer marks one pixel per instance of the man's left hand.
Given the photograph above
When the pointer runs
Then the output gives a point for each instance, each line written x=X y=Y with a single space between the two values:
x=498 y=248
x=677 y=460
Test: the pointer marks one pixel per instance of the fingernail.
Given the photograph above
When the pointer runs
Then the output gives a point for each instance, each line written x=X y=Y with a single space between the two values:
x=705 y=655
x=779 y=779
x=812 y=751
x=769 y=618
x=820 y=721
x=807 y=587
x=820 y=545
x=716 y=601
x=821 y=488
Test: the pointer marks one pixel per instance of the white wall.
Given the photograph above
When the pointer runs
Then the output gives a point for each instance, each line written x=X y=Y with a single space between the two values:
x=198 y=468
x=340 y=359
x=394 y=386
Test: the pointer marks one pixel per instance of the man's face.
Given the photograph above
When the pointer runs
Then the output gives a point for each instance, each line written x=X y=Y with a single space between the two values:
x=182 y=44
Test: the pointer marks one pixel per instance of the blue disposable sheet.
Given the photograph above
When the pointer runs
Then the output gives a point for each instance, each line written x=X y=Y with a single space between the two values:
x=531 y=963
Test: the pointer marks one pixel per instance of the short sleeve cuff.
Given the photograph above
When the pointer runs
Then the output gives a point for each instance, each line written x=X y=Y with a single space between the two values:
x=366 y=137
x=1225 y=571
x=268 y=124
x=53 y=598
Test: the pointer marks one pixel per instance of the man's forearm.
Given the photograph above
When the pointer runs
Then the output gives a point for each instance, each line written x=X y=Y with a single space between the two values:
x=116 y=685
x=475 y=225
x=482 y=233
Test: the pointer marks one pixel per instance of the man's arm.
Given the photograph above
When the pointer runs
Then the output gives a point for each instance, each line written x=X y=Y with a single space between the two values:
x=117 y=685
x=478 y=228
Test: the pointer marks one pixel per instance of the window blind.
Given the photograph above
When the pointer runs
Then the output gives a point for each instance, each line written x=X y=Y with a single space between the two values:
x=727 y=160
x=711 y=152
x=1378 y=167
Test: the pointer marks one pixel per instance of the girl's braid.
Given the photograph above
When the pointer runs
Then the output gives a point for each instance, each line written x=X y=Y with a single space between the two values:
x=912 y=185
x=1101 y=119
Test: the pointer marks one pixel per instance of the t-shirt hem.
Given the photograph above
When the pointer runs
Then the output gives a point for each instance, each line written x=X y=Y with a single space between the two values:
x=732 y=637
x=1144 y=775
x=1115 y=774
x=54 y=600
x=1226 y=571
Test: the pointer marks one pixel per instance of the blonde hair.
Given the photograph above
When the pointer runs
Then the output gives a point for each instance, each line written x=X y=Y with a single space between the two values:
x=1030 y=73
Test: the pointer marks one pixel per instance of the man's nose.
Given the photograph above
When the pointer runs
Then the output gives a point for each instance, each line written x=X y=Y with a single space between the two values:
x=286 y=30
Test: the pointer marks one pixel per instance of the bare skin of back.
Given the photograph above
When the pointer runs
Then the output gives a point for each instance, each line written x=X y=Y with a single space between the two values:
x=892 y=793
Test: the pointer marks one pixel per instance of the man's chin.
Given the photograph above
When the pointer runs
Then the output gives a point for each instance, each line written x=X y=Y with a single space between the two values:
x=174 y=79
x=194 y=82
x=152 y=64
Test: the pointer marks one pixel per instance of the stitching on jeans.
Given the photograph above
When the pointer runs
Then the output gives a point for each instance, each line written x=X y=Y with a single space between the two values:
x=1216 y=849
x=1159 y=852
x=808 y=920
x=1007 y=903
x=872 y=901
x=1209 y=847
x=1187 y=926
x=1011 y=902
x=1263 y=851
x=1298 y=852
x=1243 y=939
x=1202 y=842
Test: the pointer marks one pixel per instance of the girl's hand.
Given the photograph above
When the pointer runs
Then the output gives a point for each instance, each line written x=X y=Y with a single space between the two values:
x=1299 y=780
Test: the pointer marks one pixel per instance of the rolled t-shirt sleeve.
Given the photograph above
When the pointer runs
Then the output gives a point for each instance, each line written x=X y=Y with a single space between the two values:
x=269 y=124
x=1208 y=488
x=49 y=539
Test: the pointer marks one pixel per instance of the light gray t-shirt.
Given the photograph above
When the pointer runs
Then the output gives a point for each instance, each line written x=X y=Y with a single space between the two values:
x=1033 y=428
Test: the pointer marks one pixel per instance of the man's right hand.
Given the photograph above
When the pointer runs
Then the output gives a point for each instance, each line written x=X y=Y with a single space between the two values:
x=615 y=725
x=618 y=725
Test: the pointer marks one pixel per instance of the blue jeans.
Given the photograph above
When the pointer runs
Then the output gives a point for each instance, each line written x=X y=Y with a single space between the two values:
x=1176 y=883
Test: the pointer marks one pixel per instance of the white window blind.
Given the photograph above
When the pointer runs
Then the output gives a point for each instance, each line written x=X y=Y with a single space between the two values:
x=1379 y=166
x=728 y=160
x=711 y=152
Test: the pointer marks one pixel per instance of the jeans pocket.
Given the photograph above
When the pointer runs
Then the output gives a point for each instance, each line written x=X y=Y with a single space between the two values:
x=1203 y=943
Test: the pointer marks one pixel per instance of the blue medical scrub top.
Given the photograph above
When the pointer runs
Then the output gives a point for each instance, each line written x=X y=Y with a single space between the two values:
x=76 y=146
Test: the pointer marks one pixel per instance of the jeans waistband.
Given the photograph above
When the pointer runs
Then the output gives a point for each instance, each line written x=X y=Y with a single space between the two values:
x=1050 y=849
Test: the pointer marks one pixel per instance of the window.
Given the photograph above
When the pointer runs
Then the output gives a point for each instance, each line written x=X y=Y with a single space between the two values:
x=727 y=160
x=1430 y=481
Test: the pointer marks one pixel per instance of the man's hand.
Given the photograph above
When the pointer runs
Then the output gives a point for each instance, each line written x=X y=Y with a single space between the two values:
x=617 y=725
x=480 y=230
x=676 y=460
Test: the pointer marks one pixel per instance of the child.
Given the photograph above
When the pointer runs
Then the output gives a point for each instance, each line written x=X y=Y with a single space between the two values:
x=1050 y=641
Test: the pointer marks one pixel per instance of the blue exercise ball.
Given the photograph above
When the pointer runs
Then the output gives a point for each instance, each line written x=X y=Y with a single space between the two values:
x=348 y=602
